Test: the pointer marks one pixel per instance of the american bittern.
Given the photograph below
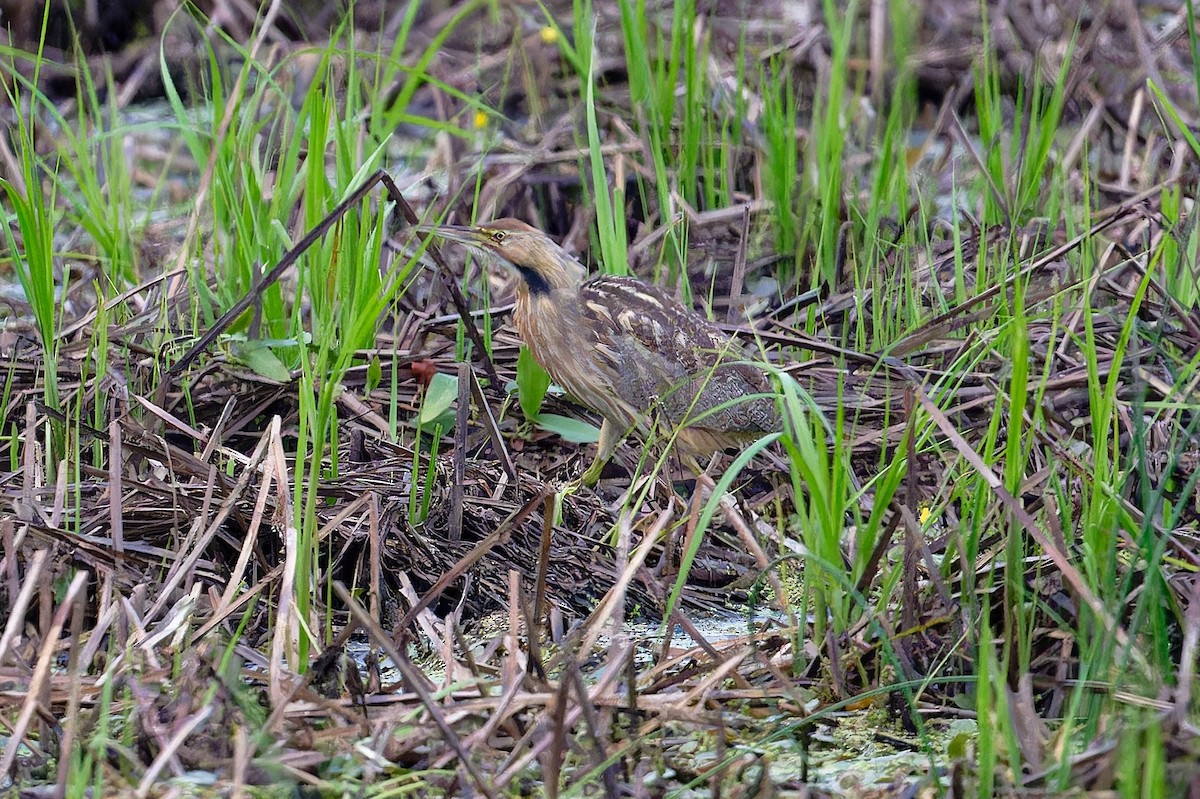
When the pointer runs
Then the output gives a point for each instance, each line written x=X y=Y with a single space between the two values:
x=627 y=349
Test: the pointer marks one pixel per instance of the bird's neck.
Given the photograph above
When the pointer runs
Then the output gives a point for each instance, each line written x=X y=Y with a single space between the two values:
x=532 y=282
x=545 y=318
x=556 y=272
x=547 y=300
x=558 y=285
x=542 y=300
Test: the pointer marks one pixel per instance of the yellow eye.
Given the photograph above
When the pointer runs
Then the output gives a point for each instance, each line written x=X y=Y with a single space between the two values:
x=498 y=236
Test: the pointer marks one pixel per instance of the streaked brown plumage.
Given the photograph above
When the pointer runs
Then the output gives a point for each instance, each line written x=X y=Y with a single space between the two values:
x=627 y=349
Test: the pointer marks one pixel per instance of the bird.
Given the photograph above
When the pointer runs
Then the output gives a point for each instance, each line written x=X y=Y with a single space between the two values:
x=626 y=349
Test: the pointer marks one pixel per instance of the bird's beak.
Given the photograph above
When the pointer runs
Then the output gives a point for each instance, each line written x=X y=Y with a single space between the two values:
x=463 y=234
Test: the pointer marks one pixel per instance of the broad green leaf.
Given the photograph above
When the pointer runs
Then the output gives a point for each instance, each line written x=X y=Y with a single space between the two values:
x=439 y=396
x=573 y=430
x=263 y=360
x=374 y=374
x=532 y=382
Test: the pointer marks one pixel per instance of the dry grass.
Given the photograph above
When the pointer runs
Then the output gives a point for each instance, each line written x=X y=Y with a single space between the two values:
x=151 y=586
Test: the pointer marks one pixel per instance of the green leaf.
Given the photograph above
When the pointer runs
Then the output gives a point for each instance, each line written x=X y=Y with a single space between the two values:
x=263 y=360
x=439 y=396
x=957 y=749
x=532 y=382
x=573 y=430
x=374 y=374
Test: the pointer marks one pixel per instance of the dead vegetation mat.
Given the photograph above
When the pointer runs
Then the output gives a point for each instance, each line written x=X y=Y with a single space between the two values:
x=153 y=579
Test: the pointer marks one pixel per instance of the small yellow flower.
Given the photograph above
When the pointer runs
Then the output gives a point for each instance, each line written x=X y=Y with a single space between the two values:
x=925 y=514
x=549 y=34
x=481 y=120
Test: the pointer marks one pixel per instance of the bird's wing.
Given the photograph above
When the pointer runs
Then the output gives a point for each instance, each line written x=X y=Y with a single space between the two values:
x=626 y=309
x=664 y=355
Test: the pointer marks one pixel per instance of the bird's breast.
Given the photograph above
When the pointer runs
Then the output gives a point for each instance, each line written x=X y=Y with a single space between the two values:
x=567 y=348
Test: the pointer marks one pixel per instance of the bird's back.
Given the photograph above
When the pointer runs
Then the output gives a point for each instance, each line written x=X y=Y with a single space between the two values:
x=645 y=354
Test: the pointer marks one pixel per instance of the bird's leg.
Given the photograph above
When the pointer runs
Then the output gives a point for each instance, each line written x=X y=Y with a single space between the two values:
x=610 y=436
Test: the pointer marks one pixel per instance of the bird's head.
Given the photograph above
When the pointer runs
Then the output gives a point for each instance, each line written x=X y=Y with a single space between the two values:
x=542 y=264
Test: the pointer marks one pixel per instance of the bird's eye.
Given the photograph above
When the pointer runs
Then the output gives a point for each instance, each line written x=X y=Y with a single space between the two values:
x=498 y=236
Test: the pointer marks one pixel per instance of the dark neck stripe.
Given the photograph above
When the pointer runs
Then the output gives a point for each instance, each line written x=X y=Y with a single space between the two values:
x=534 y=281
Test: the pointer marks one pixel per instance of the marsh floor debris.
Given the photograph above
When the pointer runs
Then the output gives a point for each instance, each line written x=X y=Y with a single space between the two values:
x=213 y=531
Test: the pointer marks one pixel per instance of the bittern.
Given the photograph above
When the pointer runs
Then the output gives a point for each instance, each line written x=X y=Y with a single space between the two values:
x=627 y=349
